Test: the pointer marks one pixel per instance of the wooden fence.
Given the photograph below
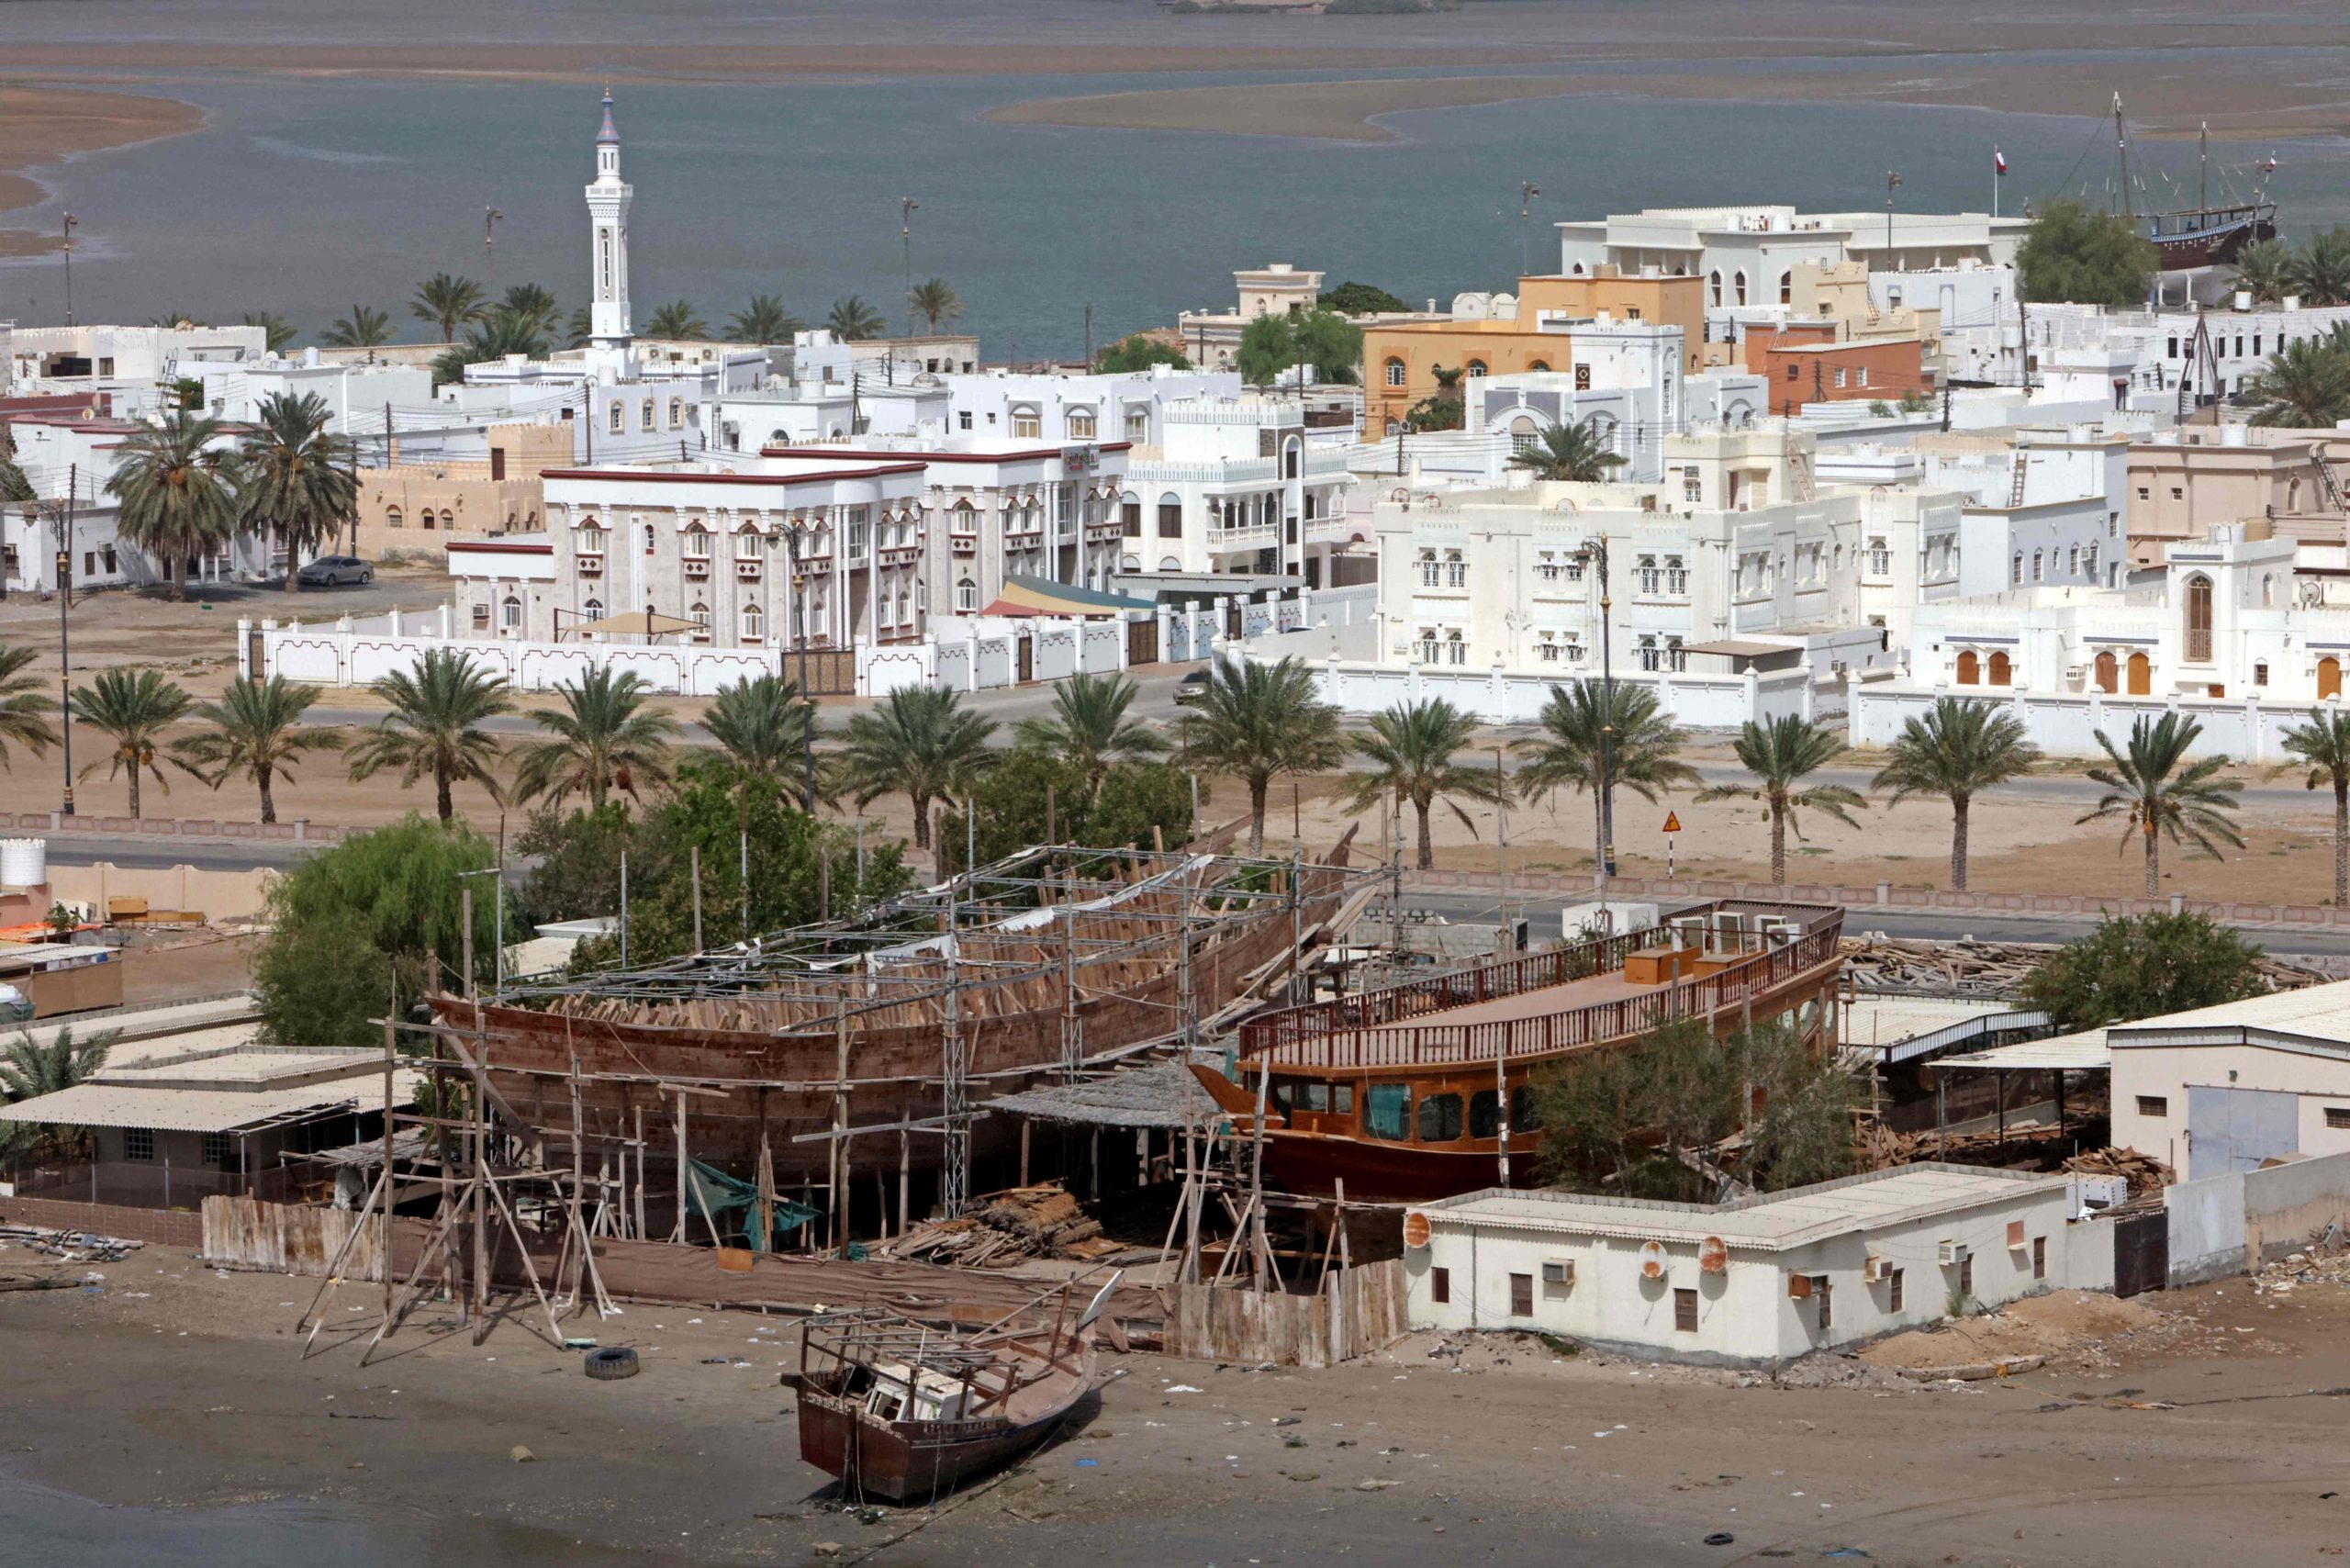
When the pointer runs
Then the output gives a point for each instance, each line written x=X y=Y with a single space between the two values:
x=1357 y=1311
x=284 y=1238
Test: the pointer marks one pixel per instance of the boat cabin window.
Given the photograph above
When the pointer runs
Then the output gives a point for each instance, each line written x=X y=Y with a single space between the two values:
x=1439 y=1119
x=1525 y=1116
x=1387 y=1110
x=1312 y=1094
x=1486 y=1113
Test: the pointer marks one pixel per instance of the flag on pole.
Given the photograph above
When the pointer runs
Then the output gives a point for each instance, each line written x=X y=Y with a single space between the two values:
x=1998 y=161
x=2272 y=164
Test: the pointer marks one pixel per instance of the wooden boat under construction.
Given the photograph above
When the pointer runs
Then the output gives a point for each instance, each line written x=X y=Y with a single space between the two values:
x=900 y=1021
x=899 y=1410
x=1421 y=1091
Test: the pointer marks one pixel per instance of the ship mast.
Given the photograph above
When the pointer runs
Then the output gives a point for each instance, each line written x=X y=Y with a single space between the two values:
x=2121 y=144
x=2203 y=169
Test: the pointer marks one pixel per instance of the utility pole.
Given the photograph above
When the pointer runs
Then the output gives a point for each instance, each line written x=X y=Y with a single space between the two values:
x=72 y=223
x=1089 y=334
x=1527 y=191
x=1595 y=551
x=1892 y=182
x=906 y=208
x=800 y=636
x=491 y=216
x=1501 y=833
x=64 y=601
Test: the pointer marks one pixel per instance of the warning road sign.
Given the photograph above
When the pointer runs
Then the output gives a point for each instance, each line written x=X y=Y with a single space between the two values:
x=1671 y=821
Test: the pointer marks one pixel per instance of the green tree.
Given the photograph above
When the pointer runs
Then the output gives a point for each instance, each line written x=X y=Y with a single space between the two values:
x=603 y=738
x=2264 y=270
x=25 y=704
x=301 y=479
x=365 y=328
x=1412 y=749
x=2305 y=383
x=277 y=332
x=2143 y=967
x=1323 y=339
x=763 y=726
x=1138 y=350
x=448 y=303
x=500 y=333
x=1268 y=347
x=132 y=710
x=1957 y=749
x=1443 y=409
x=533 y=304
x=1361 y=299
x=1642 y=749
x=1257 y=721
x=361 y=925
x=1781 y=755
x=1090 y=727
x=2159 y=794
x=2320 y=271
x=256 y=731
x=16 y=490
x=1573 y=452
x=178 y=484
x=580 y=329
x=2078 y=255
x=434 y=729
x=921 y=743
x=2322 y=746
x=574 y=862
x=853 y=321
x=935 y=301
x=29 y=1070
x=676 y=319
x=764 y=320
x=1031 y=796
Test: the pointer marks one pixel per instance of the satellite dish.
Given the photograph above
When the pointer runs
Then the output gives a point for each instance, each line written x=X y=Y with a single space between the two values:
x=1651 y=1260
x=1712 y=1256
x=1416 y=1229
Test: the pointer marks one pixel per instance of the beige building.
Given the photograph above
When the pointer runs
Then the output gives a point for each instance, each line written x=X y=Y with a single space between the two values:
x=2184 y=481
x=2228 y=1088
x=418 y=505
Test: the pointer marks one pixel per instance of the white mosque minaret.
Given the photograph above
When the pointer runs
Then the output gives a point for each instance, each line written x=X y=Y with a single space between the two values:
x=609 y=357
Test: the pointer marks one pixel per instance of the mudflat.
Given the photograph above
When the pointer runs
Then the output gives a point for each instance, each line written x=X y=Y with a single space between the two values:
x=178 y=1399
x=41 y=124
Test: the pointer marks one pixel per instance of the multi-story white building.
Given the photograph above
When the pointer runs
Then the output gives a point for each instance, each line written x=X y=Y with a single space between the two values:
x=1755 y=249
x=127 y=362
x=1064 y=406
x=1232 y=485
x=356 y=396
x=2135 y=358
x=67 y=459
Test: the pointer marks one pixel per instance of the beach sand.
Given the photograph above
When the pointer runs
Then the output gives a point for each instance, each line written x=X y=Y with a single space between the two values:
x=41 y=124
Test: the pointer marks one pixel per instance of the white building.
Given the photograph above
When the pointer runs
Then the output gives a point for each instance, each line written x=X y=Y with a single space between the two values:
x=1232 y=485
x=2224 y=1089
x=608 y=353
x=125 y=361
x=1067 y=406
x=2137 y=357
x=357 y=396
x=1754 y=249
x=1758 y=1280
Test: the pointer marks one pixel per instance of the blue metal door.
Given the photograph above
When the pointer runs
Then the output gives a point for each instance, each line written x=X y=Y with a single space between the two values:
x=2235 y=1129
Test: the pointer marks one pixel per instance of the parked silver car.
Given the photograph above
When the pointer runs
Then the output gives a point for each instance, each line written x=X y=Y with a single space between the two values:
x=333 y=571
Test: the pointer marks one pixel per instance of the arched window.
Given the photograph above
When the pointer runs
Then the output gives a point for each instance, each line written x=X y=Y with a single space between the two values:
x=697 y=542
x=967 y=596
x=1171 y=516
x=2109 y=672
x=1393 y=370
x=700 y=615
x=1477 y=367
x=2268 y=591
x=644 y=415
x=1738 y=283
x=1081 y=424
x=591 y=538
x=2329 y=678
x=2015 y=571
x=1170 y=564
x=392 y=517
x=1575 y=271
x=1025 y=425
x=648 y=539
x=1540 y=366
x=749 y=546
x=1289 y=461
x=1970 y=669
x=2002 y=671
x=509 y=613
x=2142 y=676
x=1714 y=287
x=2035 y=565
x=1787 y=287
x=754 y=623
x=677 y=413
x=2198 y=620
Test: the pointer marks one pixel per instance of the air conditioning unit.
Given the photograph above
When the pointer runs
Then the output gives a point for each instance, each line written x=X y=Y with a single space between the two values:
x=1558 y=1272
x=1877 y=1270
x=1950 y=1254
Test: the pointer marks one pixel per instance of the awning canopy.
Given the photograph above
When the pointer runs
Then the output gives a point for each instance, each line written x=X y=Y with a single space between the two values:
x=1035 y=596
x=639 y=624
x=1741 y=648
x=2084 y=1052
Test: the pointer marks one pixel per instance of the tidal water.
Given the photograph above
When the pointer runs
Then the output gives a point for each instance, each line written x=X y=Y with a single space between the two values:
x=304 y=195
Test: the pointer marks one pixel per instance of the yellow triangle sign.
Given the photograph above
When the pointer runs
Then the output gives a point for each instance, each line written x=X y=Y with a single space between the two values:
x=1671 y=821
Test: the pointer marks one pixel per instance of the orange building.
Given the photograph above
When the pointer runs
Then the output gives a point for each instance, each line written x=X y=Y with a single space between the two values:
x=1804 y=363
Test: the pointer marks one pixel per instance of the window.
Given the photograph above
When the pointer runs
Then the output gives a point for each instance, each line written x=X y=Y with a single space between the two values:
x=1456 y=651
x=1792 y=371
x=754 y=623
x=2040 y=1257
x=1521 y=1295
x=1861 y=375
x=2015 y=571
x=2036 y=574
x=860 y=522
x=1137 y=424
x=1477 y=367
x=1880 y=559
x=1714 y=286
x=511 y=613
x=591 y=540
x=1081 y=424
x=1386 y=1111
x=1547 y=650
x=1522 y=1117
x=967 y=596
x=1787 y=287
x=217 y=1151
x=1456 y=570
x=1693 y=488
x=2154 y=1105
x=1486 y=1113
x=1676 y=575
x=2073 y=562
x=1965 y=1282
x=677 y=413
x=1440 y=1285
x=749 y=546
x=697 y=543
x=592 y=611
x=699 y=613
x=1839 y=376
x=1676 y=657
x=2338 y=1118
x=1651 y=578
x=1171 y=517
x=139 y=1143
x=619 y=419
x=1546 y=563
x=2198 y=619
x=1440 y=1118
x=1893 y=1291
x=1684 y=1311
x=963 y=420
x=2260 y=672
x=649 y=539
x=1026 y=425
x=644 y=415
x=1130 y=519
x=1394 y=371
x=1738 y=283
x=1651 y=657
x=1819 y=1295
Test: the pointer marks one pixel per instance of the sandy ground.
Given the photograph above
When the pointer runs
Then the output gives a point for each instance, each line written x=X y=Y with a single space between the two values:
x=177 y=1400
x=41 y=124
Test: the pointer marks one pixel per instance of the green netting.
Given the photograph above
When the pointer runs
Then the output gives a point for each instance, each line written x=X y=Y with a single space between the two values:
x=716 y=1194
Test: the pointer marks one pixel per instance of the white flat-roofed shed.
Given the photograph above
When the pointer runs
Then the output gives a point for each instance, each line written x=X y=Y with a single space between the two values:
x=1756 y=1281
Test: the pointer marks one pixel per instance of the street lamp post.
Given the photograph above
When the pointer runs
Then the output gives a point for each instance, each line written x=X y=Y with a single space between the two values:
x=907 y=206
x=1595 y=551
x=63 y=518
x=72 y=223
x=799 y=638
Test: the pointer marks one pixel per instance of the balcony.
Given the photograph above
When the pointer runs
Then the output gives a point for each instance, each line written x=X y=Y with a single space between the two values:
x=592 y=566
x=697 y=565
x=911 y=554
x=746 y=569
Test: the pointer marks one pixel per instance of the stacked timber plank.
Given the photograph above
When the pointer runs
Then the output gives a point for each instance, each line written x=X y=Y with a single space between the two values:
x=1007 y=1228
x=1888 y=967
x=2144 y=1171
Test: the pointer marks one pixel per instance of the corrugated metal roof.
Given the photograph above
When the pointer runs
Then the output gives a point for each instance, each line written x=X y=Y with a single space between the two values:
x=1898 y=1028
x=1770 y=1223
x=2083 y=1052
x=2315 y=1013
x=201 y=1110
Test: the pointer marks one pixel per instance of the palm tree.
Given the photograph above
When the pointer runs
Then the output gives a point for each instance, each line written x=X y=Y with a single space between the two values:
x=1780 y=755
x=256 y=731
x=764 y=320
x=275 y=329
x=365 y=328
x=435 y=726
x=2321 y=272
x=1957 y=749
x=935 y=301
x=580 y=329
x=676 y=319
x=132 y=710
x=301 y=480
x=535 y=304
x=1258 y=721
x=852 y=320
x=763 y=725
x=921 y=743
x=1411 y=748
x=2323 y=745
x=1642 y=744
x=2157 y=797
x=24 y=701
x=29 y=1070
x=2266 y=270
x=448 y=303
x=501 y=333
x=178 y=492
x=602 y=739
x=2305 y=384
x=1578 y=452
x=1089 y=728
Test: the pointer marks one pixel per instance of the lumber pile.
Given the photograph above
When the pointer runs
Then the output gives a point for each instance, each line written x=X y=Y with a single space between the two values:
x=1890 y=967
x=2144 y=1171
x=74 y=1246
x=1882 y=1145
x=1004 y=1229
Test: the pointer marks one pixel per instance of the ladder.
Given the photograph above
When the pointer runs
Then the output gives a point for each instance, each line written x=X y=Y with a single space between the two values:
x=2327 y=483
x=2015 y=486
